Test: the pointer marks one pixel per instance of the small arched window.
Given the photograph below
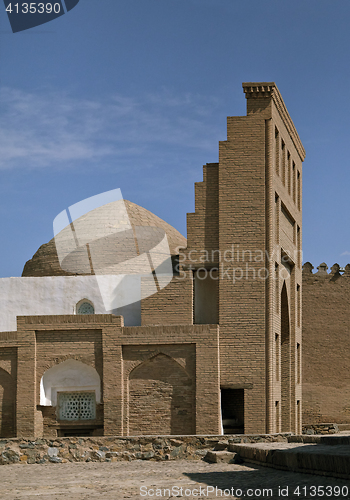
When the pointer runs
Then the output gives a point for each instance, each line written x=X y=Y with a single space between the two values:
x=85 y=307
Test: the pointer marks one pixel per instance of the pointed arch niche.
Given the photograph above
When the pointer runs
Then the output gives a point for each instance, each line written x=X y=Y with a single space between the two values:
x=69 y=376
x=161 y=398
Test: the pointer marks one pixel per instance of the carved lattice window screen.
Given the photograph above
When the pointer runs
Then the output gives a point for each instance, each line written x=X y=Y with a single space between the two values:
x=77 y=406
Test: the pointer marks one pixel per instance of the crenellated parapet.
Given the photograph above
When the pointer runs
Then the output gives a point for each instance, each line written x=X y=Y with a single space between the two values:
x=322 y=272
x=326 y=343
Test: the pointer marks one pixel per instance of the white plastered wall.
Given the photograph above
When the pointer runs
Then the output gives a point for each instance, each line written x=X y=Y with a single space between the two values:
x=53 y=295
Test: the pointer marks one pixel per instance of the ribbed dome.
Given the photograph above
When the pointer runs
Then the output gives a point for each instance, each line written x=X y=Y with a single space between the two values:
x=45 y=261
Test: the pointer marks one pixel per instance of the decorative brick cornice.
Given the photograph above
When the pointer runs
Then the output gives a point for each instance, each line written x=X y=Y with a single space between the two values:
x=64 y=319
x=8 y=336
x=258 y=90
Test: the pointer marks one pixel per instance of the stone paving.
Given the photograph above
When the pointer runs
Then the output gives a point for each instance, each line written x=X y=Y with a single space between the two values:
x=147 y=479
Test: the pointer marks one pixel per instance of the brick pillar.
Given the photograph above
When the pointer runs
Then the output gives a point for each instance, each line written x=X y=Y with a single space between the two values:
x=26 y=383
x=113 y=379
x=208 y=417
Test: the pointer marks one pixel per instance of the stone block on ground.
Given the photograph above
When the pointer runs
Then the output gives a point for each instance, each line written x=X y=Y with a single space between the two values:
x=221 y=445
x=216 y=457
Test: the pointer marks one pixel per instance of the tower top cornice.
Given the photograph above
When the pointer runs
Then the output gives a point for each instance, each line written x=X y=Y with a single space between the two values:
x=259 y=90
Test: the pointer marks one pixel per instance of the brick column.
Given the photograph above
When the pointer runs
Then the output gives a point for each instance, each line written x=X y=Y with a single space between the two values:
x=113 y=379
x=26 y=383
x=208 y=417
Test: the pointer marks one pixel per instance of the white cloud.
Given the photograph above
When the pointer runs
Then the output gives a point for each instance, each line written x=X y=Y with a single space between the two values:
x=345 y=253
x=52 y=129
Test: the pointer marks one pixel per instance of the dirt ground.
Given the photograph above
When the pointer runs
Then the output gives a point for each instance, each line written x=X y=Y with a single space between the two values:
x=147 y=479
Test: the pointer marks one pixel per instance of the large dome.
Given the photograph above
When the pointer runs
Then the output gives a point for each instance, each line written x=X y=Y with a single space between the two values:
x=45 y=261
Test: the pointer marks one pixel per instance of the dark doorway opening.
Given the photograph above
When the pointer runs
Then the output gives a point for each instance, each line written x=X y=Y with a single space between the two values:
x=232 y=411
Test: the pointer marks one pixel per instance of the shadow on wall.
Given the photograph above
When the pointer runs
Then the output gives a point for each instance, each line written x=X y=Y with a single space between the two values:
x=8 y=398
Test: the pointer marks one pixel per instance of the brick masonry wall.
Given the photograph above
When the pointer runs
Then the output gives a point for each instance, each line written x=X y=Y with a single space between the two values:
x=203 y=224
x=285 y=214
x=242 y=303
x=153 y=378
x=161 y=386
x=173 y=305
x=179 y=344
x=56 y=346
x=45 y=341
x=326 y=345
x=254 y=171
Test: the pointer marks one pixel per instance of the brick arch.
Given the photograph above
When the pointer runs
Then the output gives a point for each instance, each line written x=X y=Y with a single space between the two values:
x=161 y=398
x=140 y=361
x=7 y=404
x=147 y=357
x=65 y=357
x=70 y=375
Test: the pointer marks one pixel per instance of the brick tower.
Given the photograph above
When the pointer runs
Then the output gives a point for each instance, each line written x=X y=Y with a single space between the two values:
x=244 y=245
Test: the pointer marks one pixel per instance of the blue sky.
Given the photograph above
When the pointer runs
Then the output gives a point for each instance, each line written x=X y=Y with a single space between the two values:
x=134 y=94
